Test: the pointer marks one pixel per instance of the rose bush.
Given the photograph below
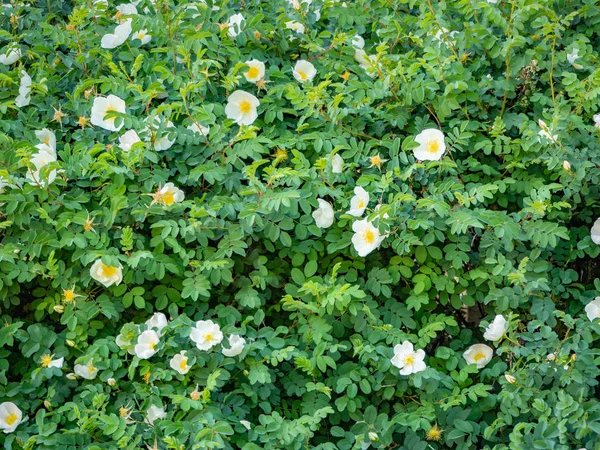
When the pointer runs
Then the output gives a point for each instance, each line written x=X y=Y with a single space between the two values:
x=299 y=224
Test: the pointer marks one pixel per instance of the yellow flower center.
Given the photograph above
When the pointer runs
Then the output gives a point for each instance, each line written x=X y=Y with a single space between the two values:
x=109 y=271
x=245 y=107
x=302 y=75
x=110 y=108
x=123 y=412
x=409 y=360
x=434 y=434
x=478 y=356
x=208 y=337
x=152 y=344
x=369 y=236
x=11 y=418
x=69 y=295
x=91 y=368
x=376 y=160
x=168 y=198
x=183 y=364
x=141 y=36
x=253 y=72
x=433 y=146
x=47 y=140
x=360 y=204
x=46 y=360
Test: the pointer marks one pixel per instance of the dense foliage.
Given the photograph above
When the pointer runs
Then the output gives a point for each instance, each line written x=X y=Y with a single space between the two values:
x=324 y=205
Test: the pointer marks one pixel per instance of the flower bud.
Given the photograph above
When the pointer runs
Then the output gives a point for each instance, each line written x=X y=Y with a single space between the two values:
x=70 y=343
x=47 y=404
x=574 y=357
x=195 y=395
x=59 y=309
x=510 y=378
x=567 y=165
x=373 y=436
x=111 y=382
x=551 y=357
x=542 y=124
x=71 y=376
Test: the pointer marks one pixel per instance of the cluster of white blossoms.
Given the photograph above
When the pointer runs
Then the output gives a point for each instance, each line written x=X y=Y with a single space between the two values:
x=46 y=154
x=367 y=236
x=205 y=334
x=410 y=361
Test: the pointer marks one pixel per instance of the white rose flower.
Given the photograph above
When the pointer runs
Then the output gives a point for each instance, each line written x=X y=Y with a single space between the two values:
x=206 y=334
x=127 y=9
x=47 y=361
x=236 y=346
x=160 y=138
x=246 y=424
x=496 y=329
x=179 y=363
x=295 y=25
x=118 y=37
x=241 y=107
x=47 y=140
x=256 y=70
x=128 y=139
x=155 y=413
x=592 y=309
x=360 y=56
x=39 y=161
x=10 y=417
x=304 y=71
x=24 y=96
x=158 y=321
x=370 y=65
x=479 y=354
x=597 y=120
x=103 y=105
x=170 y=194
x=10 y=55
x=359 y=202
x=431 y=145
x=337 y=163
x=574 y=56
x=142 y=35
x=324 y=215
x=366 y=237
x=234 y=25
x=106 y=275
x=595 y=231
x=199 y=129
x=408 y=360
x=358 y=41
x=146 y=345
x=87 y=371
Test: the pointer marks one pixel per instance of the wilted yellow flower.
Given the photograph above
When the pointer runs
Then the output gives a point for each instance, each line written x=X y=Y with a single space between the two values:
x=223 y=26
x=257 y=35
x=377 y=161
x=434 y=433
x=58 y=115
x=147 y=377
x=69 y=295
x=83 y=122
x=89 y=224
x=345 y=76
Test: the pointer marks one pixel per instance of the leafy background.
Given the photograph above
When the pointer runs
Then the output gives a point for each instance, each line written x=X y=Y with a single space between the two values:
x=498 y=226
